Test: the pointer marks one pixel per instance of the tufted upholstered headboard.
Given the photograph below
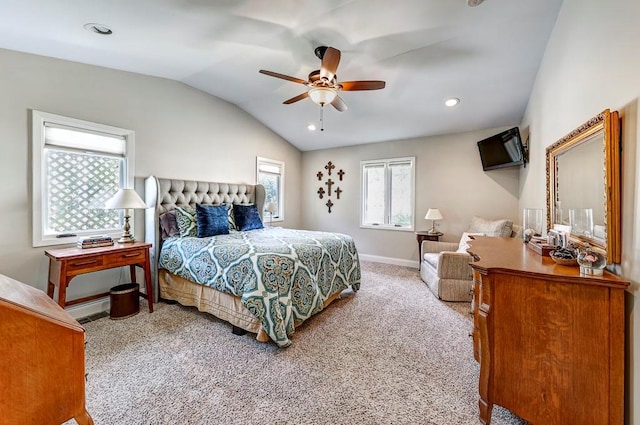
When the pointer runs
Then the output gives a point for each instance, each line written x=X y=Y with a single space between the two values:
x=162 y=195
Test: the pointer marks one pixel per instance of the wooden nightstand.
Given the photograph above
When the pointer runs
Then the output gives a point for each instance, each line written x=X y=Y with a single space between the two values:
x=425 y=236
x=66 y=263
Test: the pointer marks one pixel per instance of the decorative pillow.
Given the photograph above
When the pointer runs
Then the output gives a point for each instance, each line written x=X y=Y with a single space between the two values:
x=230 y=218
x=247 y=217
x=464 y=241
x=186 y=219
x=168 y=225
x=212 y=220
x=491 y=227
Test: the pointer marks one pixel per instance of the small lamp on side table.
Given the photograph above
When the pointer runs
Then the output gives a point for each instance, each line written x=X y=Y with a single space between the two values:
x=434 y=215
x=125 y=199
x=271 y=209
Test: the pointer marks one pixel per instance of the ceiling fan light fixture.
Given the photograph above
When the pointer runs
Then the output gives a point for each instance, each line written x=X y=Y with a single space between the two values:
x=322 y=95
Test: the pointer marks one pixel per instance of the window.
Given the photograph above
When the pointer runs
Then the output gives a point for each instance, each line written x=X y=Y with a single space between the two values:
x=388 y=193
x=271 y=175
x=77 y=166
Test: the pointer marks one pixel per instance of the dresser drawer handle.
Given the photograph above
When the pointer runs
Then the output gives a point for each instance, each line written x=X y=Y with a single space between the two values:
x=137 y=254
x=85 y=263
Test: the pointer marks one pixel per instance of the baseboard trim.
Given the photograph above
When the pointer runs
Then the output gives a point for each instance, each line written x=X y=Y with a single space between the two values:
x=89 y=308
x=389 y=260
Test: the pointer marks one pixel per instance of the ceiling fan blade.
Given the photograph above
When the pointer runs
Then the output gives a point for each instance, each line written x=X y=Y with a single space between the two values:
x=284 y=77
x=362 y=85
x=297 y=98
x=339 y=104
x=330 y=62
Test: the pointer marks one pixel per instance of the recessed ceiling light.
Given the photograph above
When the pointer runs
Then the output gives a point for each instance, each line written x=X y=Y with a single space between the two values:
x=98 y=28
x=452 y=102
x=311 y=127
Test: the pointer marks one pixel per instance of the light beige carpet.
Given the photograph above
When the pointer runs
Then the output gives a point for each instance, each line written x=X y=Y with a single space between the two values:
x=390 y=354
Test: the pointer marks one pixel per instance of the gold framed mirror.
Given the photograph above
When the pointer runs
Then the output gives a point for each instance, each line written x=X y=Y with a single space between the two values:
x=583 y=184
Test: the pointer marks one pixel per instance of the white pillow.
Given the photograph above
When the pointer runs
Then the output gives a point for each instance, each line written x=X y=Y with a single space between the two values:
x=464 y=241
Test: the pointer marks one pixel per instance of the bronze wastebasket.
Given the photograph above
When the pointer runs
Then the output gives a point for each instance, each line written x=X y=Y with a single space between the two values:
x=124 y=301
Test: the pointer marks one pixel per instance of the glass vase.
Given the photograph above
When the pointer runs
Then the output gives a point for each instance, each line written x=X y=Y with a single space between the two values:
x=581 y=221
x=531 y=223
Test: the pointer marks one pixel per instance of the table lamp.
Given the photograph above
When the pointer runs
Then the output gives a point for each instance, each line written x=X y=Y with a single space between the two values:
x=125 y=199
x=271 y=209
x=434 y=215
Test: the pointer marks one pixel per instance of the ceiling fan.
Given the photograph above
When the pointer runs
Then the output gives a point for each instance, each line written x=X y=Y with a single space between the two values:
x=323 y=84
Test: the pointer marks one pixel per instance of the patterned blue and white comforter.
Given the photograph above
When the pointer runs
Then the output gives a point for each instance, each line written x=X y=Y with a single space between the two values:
x=282 y=276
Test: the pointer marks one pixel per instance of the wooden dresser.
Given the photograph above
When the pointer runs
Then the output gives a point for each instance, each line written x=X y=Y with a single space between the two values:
x=550 y=342
x=42 y=377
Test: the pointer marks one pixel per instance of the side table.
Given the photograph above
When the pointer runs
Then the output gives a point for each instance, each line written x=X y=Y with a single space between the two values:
x=425 y=236
x=66 y=263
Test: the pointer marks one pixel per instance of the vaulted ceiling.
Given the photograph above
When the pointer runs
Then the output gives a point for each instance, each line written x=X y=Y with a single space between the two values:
x=426 y=50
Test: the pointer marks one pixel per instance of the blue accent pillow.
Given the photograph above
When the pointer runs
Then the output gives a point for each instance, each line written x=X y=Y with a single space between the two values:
x=212 y=220
x=247 y=217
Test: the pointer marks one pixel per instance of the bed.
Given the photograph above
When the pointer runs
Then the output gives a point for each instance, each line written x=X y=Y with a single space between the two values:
x=265 y=281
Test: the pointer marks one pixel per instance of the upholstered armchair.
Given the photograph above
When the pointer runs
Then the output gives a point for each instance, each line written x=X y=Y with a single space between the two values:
x=445 y=265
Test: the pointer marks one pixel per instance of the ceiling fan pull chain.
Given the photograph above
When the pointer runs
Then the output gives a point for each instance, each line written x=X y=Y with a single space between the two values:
x=322 y=117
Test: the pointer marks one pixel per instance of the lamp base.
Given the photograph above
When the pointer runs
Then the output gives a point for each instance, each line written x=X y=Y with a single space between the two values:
x=433 y=230
x=126 y=239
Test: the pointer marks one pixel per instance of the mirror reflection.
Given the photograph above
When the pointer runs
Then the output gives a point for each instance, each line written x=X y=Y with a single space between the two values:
x=583 y=184
x=580 y=179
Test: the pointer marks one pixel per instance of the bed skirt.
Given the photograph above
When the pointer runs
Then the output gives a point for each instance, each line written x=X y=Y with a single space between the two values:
x=219 y=304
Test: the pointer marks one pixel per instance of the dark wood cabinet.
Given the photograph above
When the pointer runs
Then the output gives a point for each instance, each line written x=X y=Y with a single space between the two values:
x=42 y=378
x=550 y=342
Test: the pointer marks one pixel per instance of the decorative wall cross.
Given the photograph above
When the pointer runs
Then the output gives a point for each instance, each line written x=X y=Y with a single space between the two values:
x=329 y=167
x=329 y=183
x=329 y=204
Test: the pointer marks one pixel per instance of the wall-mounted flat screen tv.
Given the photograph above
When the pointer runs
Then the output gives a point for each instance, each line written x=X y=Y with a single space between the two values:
x=502 y=150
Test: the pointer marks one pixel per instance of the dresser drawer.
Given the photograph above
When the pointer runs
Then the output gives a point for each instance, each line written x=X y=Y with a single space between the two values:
x=87 y=263
x=124 y=258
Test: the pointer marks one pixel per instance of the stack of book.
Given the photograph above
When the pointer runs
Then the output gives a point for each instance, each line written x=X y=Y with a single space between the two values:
x=95 y=241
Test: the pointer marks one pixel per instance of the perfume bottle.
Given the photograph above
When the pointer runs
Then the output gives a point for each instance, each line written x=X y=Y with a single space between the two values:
x=591 y=262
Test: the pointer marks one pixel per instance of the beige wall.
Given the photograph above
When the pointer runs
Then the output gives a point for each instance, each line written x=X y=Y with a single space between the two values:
x=592 y=63
x=449 y=177
x=172 y=121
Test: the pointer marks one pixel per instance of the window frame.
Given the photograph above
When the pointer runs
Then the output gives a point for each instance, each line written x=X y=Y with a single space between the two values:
x=38 y=121
x=386 y=162
x=274 y=162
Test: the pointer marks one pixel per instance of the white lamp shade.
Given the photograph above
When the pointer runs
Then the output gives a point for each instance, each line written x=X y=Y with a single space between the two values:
x=123 y=199
x=271 y=208
x=322 y=95
x=433 y=214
